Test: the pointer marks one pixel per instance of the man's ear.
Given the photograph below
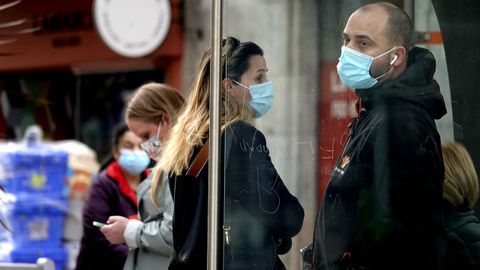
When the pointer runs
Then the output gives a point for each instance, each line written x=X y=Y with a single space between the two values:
x=398 y=57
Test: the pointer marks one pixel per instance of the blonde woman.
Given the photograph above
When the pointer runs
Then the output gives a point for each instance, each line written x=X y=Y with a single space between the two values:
x=150 y=114
x=260 y=213
x=460 y=192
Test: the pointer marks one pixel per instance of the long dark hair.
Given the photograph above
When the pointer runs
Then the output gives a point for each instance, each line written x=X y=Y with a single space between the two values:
x=118 y=131
x=238 y=57
x=192 y=127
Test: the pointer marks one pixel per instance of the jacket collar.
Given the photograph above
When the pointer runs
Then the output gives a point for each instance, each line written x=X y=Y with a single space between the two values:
x=116 y=174
x=415 y=85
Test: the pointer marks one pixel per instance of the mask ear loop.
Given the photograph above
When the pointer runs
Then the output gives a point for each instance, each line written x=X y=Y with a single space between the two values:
x=241 y=84
x=158 y=130
x=395 y=57
x=378 y=56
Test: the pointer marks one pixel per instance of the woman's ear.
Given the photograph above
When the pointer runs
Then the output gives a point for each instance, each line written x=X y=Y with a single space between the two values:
x=165 y=119
x=227 y=84
x=115 y=152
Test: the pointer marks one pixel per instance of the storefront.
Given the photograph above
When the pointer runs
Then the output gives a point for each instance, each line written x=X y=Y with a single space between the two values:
x=59 y=58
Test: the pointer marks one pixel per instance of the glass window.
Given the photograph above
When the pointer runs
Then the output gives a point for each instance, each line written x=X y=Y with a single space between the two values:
x=304 y=114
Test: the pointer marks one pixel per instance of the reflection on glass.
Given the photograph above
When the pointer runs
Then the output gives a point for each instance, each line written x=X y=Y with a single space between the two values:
x=383 y=202
x=307 y=126
x=260 y=214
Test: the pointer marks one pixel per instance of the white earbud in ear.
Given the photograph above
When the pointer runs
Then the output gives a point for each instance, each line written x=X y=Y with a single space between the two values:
x=394 y=59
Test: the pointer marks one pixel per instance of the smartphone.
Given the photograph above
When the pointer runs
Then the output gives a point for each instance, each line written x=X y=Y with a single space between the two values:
x=98 y=224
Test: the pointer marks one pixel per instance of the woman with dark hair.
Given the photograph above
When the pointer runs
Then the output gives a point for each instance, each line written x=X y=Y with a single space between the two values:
x=112 y=193
x=260 y=213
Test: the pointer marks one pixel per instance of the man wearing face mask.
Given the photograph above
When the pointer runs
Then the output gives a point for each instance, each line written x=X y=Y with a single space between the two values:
x=382 y=208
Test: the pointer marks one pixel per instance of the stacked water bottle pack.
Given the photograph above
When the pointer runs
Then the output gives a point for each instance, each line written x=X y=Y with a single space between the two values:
x=33 y=174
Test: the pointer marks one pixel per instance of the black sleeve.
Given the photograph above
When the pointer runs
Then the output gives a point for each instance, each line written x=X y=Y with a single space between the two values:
x=99 y=207
x=252 y=180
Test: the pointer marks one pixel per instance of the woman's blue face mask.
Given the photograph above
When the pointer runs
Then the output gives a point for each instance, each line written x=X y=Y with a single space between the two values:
x=354 y=68
x=262 y=97
x=133 y=161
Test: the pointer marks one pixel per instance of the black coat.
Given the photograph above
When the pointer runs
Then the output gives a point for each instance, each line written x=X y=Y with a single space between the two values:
x=463 y=240
x=260 y=210
x=383 y=205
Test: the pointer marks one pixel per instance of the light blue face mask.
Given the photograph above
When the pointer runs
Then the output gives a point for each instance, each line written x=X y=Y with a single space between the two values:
x=153 y=146
x=134 y=162
x=262 y=97
x=354 y=68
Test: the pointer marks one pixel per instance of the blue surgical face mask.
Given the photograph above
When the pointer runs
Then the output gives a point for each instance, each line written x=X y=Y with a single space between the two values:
x=153 y=146
x=262 y=97
x=134 y=162
x=354 y=68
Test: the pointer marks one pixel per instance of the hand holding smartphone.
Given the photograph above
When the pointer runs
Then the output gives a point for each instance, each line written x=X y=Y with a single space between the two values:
x=98 y=224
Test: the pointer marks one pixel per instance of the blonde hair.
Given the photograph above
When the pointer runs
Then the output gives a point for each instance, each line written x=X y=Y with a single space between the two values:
x=148 y=104
x=152 y=100
x=461 y=181
x=192 y=128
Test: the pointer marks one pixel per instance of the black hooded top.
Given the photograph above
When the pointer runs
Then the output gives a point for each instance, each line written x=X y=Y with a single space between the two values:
x=416 y=85
x=463 y=238
x=383 y=205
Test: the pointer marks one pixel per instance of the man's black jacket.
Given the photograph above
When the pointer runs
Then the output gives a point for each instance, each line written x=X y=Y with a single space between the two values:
x=383 y=205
